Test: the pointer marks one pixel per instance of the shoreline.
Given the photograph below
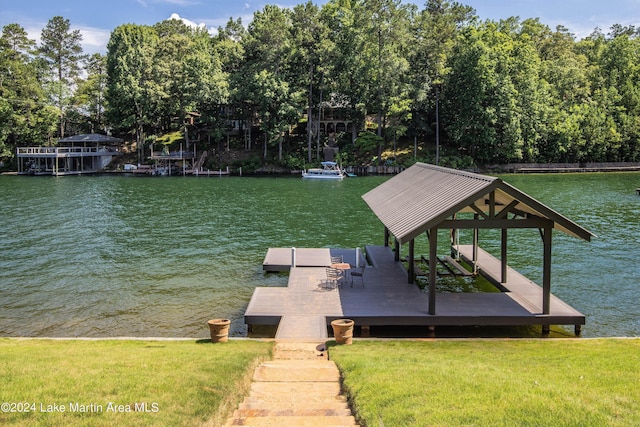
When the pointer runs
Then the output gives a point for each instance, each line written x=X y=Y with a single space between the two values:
x=205 y=338
x=509 y=168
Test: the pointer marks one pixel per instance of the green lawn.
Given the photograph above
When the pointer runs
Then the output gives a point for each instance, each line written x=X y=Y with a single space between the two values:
x=132 y=383
x=563 y=382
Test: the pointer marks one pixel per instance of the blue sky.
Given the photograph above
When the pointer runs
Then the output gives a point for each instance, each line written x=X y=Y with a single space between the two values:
x=96 y=19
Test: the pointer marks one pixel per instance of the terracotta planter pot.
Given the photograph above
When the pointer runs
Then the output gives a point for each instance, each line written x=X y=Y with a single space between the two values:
x=343 y=331
x=219 y=329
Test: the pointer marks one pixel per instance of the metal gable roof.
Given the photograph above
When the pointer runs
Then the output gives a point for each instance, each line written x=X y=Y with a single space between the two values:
x=91 y=137
x=424 y=195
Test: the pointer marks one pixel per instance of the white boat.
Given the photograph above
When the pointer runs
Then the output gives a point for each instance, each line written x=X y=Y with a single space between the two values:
x=329 y=170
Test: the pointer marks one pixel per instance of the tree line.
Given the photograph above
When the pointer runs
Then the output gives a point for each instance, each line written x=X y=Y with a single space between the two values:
x=487 y=91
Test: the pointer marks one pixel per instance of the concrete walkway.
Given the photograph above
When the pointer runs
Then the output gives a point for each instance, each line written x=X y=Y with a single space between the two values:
x=299 y=387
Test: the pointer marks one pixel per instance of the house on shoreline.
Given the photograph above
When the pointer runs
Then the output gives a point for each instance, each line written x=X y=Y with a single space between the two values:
x=75 y=155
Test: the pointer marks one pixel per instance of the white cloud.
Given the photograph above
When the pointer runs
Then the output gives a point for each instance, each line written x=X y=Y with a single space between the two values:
x=189 y=23
x=584 y=28
x=34 y=32
x=94 y=40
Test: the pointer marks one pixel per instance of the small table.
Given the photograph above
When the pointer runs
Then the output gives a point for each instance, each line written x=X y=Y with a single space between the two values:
x=343 y=267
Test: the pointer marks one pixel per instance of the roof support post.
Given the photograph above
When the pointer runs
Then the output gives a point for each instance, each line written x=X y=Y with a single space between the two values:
x=475 y=247
x=397 y=250
x=411 y=257
x=433 y=262
x=503 y=256
x=387 y=236
x=492 y=204
x=546 y=271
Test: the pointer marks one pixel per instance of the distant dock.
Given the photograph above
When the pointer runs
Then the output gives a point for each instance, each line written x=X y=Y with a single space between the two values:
x=569 y=167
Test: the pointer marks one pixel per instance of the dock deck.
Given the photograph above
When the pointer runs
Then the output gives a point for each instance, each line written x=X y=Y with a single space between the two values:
x=386 y=299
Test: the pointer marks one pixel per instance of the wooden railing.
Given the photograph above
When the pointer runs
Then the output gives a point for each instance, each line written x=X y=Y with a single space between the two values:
x=63 y=151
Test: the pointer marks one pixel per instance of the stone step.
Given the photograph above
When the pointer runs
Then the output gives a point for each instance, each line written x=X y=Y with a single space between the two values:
x=302 y=363
x=293 y=421
x=287 y=351
x=297 y=370
x=337 y=403
x=294 y=391
x=329 y=395
x=312 y=400
x=284 y=412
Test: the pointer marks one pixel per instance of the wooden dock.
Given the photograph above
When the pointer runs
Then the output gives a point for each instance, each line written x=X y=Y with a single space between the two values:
x=304 y=309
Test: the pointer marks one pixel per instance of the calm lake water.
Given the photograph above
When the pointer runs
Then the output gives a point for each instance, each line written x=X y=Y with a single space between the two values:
x=110 y=256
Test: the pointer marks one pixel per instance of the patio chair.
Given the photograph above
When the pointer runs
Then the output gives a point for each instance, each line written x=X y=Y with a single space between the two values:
x=357 y=272
x=333 y=278
x=337 y=259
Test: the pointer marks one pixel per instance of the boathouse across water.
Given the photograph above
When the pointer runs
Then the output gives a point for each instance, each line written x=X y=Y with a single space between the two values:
x=75 y=155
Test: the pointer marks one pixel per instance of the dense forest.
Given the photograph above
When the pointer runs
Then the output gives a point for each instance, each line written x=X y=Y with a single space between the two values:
x=405 y=78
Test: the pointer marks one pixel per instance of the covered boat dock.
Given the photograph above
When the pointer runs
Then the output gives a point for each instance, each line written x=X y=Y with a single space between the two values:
x=425 y=199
